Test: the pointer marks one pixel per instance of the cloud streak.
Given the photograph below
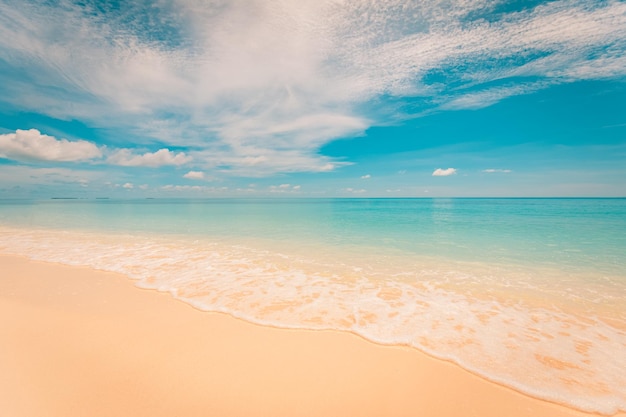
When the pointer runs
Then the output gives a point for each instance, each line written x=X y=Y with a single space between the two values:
x=257 y=87
x=492 y=171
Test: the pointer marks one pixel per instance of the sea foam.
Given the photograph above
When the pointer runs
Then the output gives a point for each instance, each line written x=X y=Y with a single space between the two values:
x=510 y=324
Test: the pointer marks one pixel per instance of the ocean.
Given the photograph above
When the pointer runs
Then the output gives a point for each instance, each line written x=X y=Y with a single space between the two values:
x=528 y=293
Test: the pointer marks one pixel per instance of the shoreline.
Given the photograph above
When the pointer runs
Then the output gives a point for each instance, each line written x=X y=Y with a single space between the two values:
x=84 y=342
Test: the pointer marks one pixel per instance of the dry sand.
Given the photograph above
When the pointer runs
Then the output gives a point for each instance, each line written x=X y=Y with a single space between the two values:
x=79 y=342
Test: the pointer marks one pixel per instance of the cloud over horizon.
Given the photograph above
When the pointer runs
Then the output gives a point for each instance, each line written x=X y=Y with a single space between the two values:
x=492 y=171
x=126 y=157
x=258 y=87
x=440 y=172
x=194 y=175
x=313 y=92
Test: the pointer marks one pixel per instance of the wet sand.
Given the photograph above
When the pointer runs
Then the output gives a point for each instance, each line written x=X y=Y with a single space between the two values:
x=79 y=342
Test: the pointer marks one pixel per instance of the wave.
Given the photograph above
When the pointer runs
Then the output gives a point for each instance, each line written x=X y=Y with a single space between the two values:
x=520 y=327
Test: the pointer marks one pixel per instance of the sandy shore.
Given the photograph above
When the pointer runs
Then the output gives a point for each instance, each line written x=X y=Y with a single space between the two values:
x=78 y=342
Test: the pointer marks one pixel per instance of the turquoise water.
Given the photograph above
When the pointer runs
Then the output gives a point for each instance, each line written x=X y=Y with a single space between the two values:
x=564 y=232
x=530 y=293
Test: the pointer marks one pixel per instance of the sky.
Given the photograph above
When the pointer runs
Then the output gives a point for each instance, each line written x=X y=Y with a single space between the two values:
x=312 y=98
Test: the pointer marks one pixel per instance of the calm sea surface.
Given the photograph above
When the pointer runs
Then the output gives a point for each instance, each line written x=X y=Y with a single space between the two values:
x=530 y=293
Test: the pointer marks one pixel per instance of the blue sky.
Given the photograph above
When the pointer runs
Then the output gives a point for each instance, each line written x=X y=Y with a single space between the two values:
x=234 y=98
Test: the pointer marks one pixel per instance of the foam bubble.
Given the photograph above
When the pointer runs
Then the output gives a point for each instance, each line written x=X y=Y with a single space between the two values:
x=517 y=326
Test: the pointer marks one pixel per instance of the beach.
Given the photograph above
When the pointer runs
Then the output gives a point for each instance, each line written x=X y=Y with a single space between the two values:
x=312 y=208
x=77 y=341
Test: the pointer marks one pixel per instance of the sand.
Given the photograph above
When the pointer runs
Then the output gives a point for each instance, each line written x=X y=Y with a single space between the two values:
x=79 y=342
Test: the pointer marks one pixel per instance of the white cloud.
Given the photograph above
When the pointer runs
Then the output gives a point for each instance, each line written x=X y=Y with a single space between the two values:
x=194 y=175
x=366 y=177
x=125 y=157
x=284 y=188
x=491 y=171
x=193 y=189
x=259 y=86
x=128 y=186
x=246 y=190
x=439 y=172
x=354 y=190
x=31 y=145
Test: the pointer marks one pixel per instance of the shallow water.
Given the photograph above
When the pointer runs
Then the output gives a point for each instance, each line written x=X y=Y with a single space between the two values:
x=530 y=293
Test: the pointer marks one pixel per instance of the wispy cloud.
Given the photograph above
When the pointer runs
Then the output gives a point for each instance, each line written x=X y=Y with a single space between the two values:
x=440 y=172
x=258 y=87
x=351 y=190
x=492 y=171
x=284 y=188
x=479 y=99
x=366 y=177
x=27 y=175
x=193 y=189
x=31 y=145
